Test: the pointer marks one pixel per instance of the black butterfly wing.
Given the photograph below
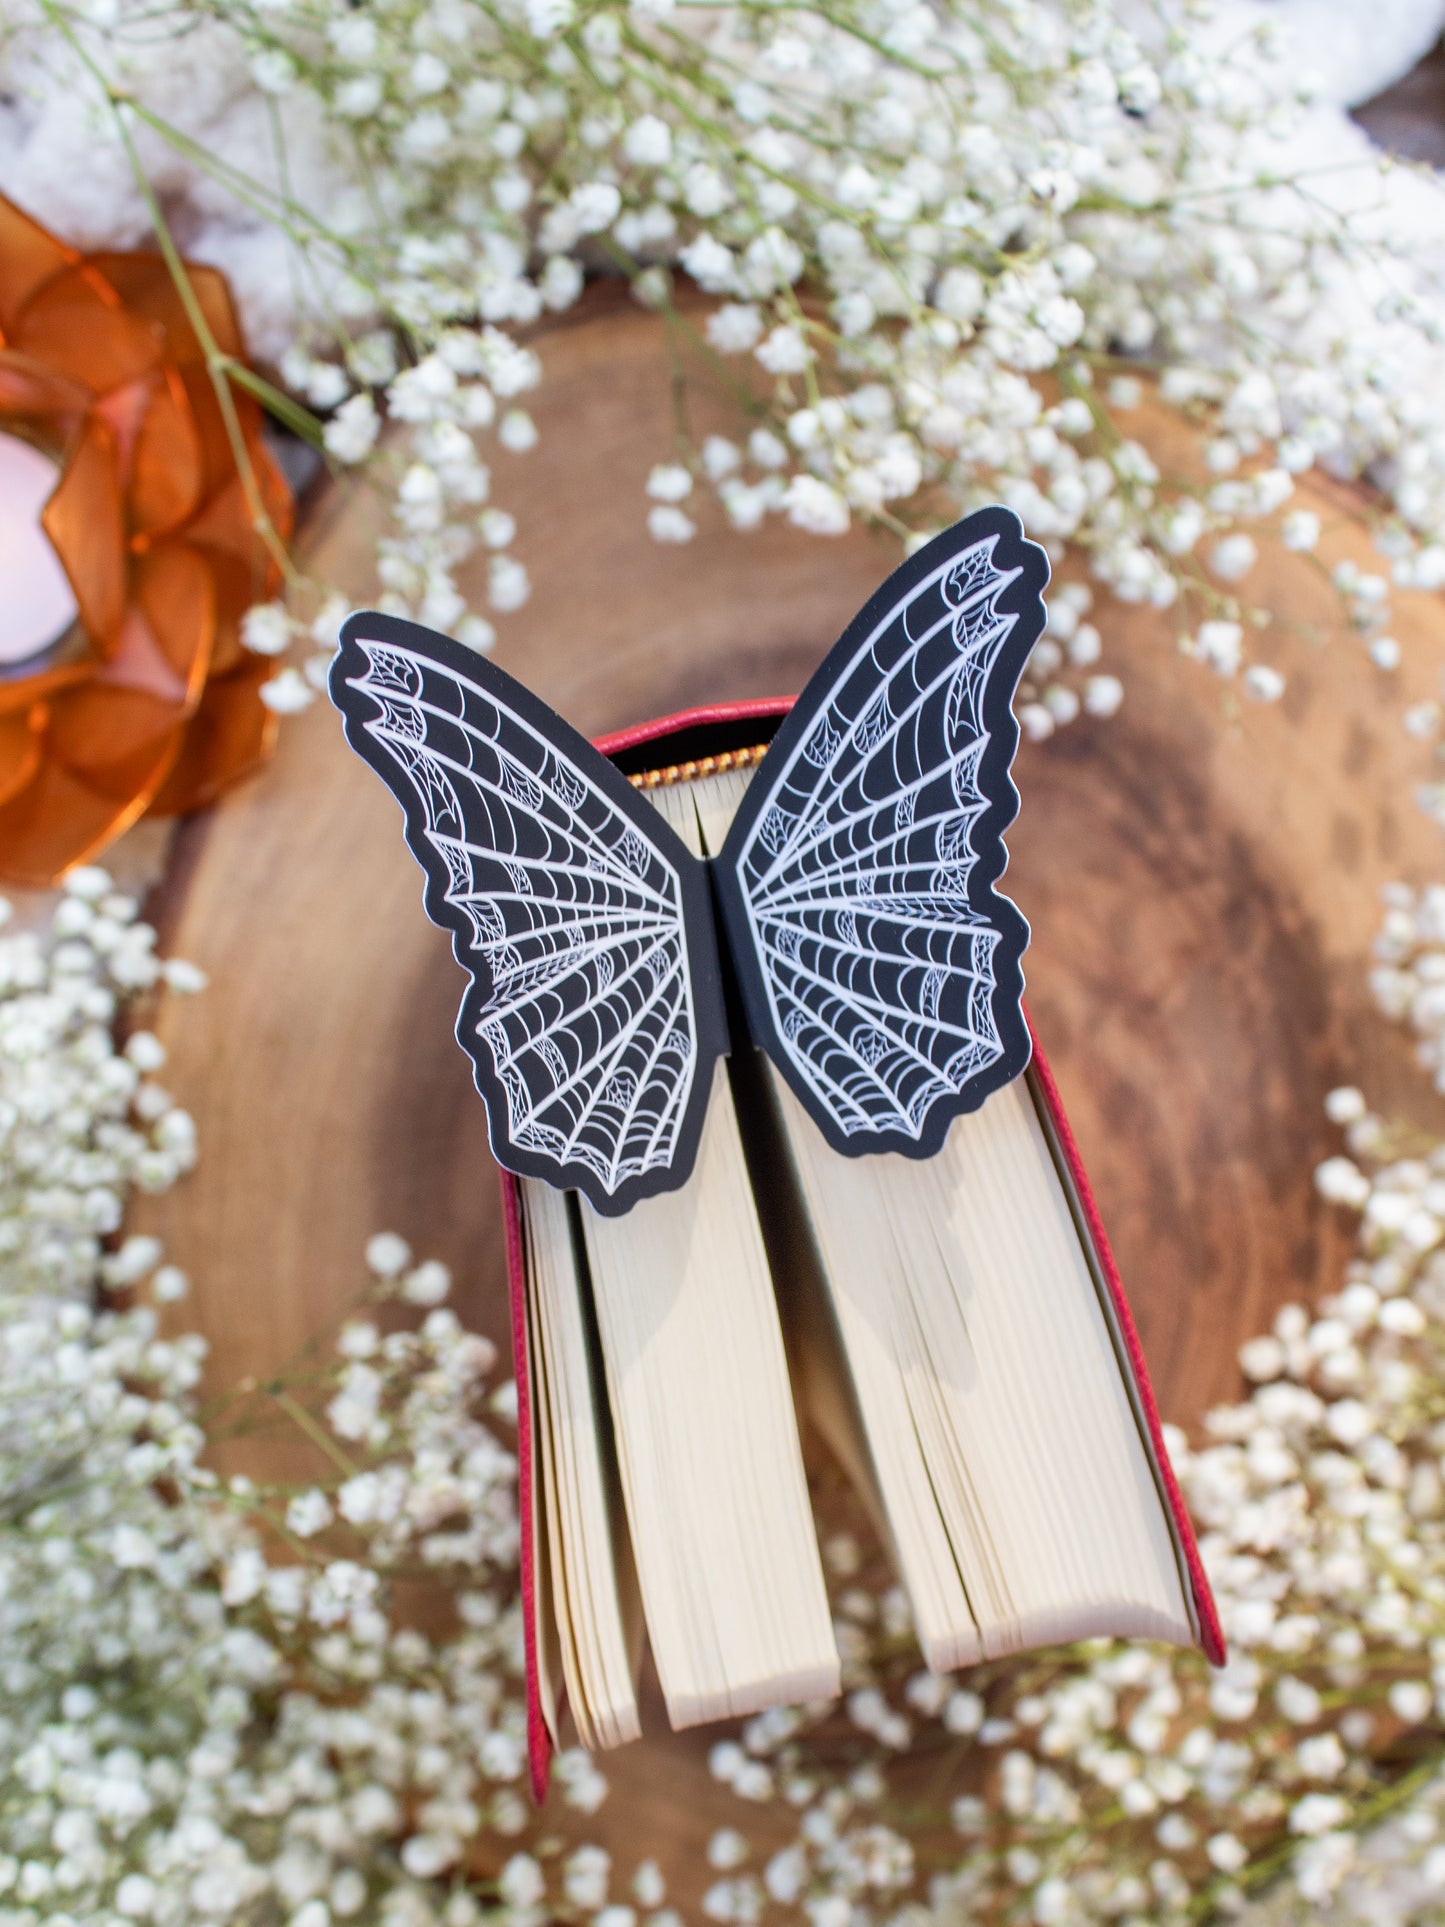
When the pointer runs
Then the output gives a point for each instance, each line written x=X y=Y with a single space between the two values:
x=593 y=1018
x=880 y=968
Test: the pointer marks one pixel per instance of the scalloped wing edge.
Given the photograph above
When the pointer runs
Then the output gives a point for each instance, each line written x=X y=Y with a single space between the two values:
x=359 y=709
x=1023 y=599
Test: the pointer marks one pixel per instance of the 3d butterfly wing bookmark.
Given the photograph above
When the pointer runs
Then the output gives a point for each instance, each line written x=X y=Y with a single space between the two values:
x=880 y=968
x=594 y=1013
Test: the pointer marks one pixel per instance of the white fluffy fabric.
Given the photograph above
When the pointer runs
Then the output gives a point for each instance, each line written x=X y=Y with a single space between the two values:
x=58 y=154
x=60 y=160
x=1357 y=47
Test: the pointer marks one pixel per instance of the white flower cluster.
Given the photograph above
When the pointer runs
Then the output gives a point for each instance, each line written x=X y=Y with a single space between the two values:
x=214 y=1708
x=211 y=1708
x=955 y=253
x=1408 y=978
x=193 y=1731
x=1124 y=1783
x=80 y=1122
x=466 y=385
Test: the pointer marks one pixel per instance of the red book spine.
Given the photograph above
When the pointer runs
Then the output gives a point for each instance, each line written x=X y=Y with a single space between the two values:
x=1211 y=1637
x=539 y=1741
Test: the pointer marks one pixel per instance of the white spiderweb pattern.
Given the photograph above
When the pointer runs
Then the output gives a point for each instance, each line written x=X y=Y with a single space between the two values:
x=569 y=919
x=879 y=972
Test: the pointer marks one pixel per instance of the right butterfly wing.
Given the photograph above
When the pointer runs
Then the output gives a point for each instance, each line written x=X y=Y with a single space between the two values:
x=594 y=1013
x=879 y=967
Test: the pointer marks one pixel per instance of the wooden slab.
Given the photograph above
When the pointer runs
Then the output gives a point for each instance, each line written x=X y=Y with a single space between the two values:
x=1203 y=895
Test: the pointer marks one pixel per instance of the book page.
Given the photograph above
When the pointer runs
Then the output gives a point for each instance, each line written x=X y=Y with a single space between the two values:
x=546 y=1637
x=997 y=1419
x=583 y=1558
x=979 y=1349
x=707 y=1440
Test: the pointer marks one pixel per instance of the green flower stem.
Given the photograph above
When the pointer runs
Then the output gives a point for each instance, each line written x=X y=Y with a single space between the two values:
x=314 y=1431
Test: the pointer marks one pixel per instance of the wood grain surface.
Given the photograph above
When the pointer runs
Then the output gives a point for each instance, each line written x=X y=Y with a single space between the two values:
x=1203 y=892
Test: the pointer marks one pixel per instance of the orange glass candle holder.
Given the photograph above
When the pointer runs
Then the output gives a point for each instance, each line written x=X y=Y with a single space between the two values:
x=142 y=699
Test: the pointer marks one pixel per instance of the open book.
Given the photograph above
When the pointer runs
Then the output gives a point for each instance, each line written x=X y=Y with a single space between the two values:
x=952 y=1326
x=750 y=1033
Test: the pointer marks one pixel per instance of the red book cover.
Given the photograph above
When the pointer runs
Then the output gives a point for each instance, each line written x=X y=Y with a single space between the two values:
x=696 y=734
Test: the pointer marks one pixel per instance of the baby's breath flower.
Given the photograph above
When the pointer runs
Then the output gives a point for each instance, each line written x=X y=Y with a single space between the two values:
x=287 y=693
x=784 y=352
x=1342 y=1182
x=734 y=328
x=1385 y=652
x=669 y=483
x=917 y=230
x=309 y=1513
x=955 y=285
x=814 y=506
x=266 y=629
x=648 y=142
x=190 y=1685
x=669 y=524
x=1103 y=695
x=517 y=431
x=507 y=584
x=1263 y=682
x=351 y=433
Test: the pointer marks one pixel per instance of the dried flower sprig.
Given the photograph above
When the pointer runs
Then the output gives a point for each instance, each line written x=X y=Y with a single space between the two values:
x=1124 y=1783
x=953 y=253
x=214 y=1706
x=210 y=1714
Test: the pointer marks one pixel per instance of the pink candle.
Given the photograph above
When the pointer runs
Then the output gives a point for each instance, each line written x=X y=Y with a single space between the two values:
x=37 y=605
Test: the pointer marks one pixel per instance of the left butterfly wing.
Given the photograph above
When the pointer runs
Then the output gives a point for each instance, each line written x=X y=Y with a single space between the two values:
x=879 y=967
x=594 y=1013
